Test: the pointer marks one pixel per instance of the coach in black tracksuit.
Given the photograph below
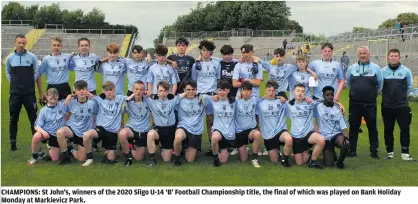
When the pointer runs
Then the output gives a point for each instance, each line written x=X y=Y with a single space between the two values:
x=365 y=82
x=396 y=87
x=21 y=68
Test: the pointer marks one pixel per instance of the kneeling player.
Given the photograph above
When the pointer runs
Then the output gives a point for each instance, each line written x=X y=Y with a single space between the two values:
x=272 y=117
x=50 y=118
x=109 y=120
x=137 y=127
x=162 y=109
x=191 y=110
x=80 y=121
x=223 y=129
x=246 y=124
x=301 y=115
x=333 y=127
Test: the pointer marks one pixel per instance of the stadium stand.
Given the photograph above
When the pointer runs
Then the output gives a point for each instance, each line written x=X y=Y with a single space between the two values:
x=8 y=34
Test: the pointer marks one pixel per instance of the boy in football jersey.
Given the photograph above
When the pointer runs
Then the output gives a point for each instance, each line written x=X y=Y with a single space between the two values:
x=50 y=118
x=183 y=61
x=137 y=68
x=82 y=112
x=301 y=76
x=137 y=127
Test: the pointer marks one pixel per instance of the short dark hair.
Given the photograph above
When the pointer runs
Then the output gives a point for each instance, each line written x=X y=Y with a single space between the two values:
x=138 y=48
x=139 y=82
x=280 y=51
x=191 y=83
x=20 y=36
x=247 y=48
x=81 y=84
x=246 y=85
x=272 y=83
x=83 y=39
x=161 y=50
x=328 y=88
x=394 y=50
x=227 y=49
x=298 y=85
x=164 y=85
x=182 y=40
x=223 y=84
x=329 y=45
x=207 y=44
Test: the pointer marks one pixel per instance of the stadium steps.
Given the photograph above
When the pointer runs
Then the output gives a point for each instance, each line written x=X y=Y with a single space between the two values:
x=32 y=37
x=125 y=45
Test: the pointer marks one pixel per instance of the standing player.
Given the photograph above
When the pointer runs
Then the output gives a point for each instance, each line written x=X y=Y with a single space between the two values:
x=329 y=72
x=51 y=117
x=137 y=68
x=272 y=116
x=227 y=67
x=162 y=108
x=161 y=71
x=109 y=120
x=332 y=126
x=189 y=131
x=301 y=115
x=184 y=62
x=301 y=76
x=21 y=71
x=56 y=67
x=84 y=63
x=82 y=112
x=138 y=125
x=223 y=129
x=397 y=85
x=365 y=81
x=246 y=124
x=113 y=69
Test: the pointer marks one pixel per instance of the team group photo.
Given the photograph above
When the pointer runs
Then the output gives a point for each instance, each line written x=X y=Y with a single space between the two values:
x=243 y=106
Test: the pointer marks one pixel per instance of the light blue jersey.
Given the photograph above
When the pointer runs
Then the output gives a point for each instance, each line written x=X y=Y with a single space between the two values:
x=299 y=78
x=51 y=119
x=272 y=117
x=223 y=121
x=56 y=68
x=330 y=121
x=301 y=116
x=137 y=71
x=280 y=74
x=245 y=112
x=328 y=75
x=84 y=69
x=114 y=71
x=243 y=70
x=138 y=116
x=81 y=118
x=163 y=111
x=161 y=72
x=191 y=114
x=109 y=115
x=207 y=77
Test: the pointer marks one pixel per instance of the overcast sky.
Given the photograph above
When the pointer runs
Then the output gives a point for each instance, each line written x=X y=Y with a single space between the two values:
x=315 y=17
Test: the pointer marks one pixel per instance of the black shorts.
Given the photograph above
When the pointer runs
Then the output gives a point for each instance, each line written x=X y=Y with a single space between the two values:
x=76 y=139
x=283 y=94
x=242 y=138
x=301 y=144
x=274 y=143
x=139 y=139
x=194 y=141
x=330 y=144
x=166 y=135
x=63 y=90
x=109 y=139
x=52 y=141
x=225 y=143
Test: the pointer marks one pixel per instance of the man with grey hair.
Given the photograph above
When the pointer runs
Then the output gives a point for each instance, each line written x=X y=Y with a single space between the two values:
x=365 y=81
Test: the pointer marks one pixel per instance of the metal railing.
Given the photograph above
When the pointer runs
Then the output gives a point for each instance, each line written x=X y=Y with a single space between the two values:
x=88 y=31
x=242 y=32
x=17 y=22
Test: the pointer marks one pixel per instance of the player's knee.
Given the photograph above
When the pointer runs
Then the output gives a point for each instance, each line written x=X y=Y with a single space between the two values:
x=216 y=137
x=60 y=133
x=54 y=157
x=178 y=138
x=320 y=141
x=123 y=135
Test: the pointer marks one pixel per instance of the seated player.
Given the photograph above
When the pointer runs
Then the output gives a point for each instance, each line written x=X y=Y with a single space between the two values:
x=246 y=124
x=137 y=127
x=189 y=131
x=82 y=112
x=301 y=112
x=333 y=127
x=272 y=116
x=51 y=117
x=223 y=129
x=162 y=108
x=109 y=120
